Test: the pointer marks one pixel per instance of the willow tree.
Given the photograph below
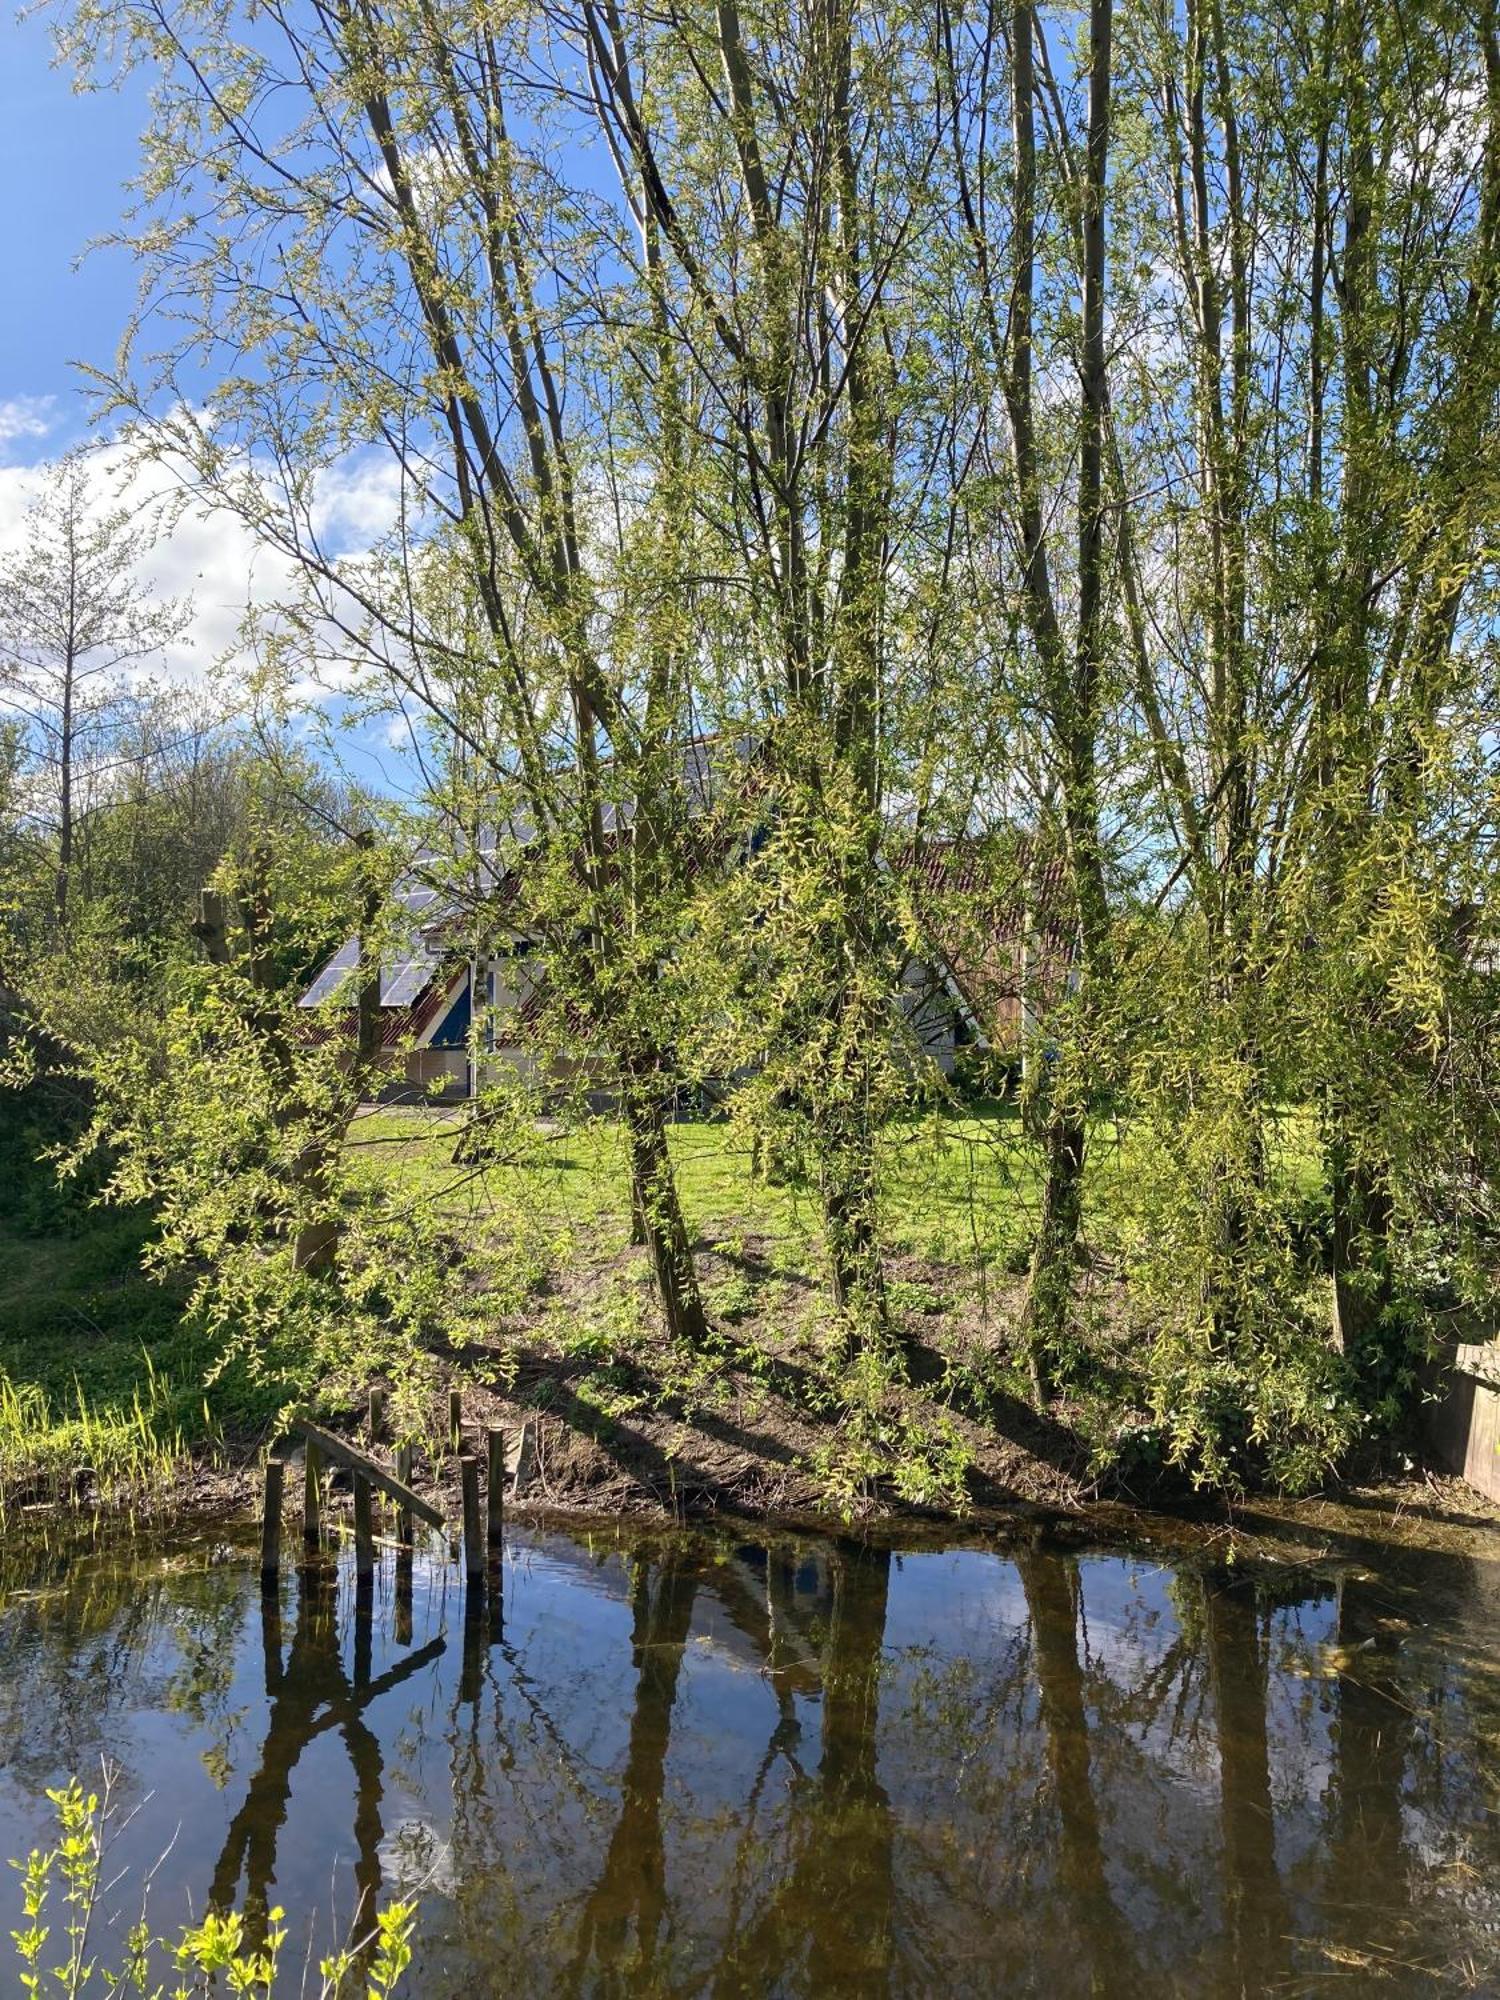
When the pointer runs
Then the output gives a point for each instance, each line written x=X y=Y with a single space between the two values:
x=1038 y=244
x=347 y=227
x=783 y=171
x=1318 y=203
x=1397 y=159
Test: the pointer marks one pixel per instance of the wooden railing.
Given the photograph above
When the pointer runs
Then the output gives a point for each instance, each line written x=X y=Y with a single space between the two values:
x=482 y=1527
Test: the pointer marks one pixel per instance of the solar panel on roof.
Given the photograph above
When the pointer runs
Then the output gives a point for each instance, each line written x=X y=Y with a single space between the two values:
x=401 y=982
x=338 y=968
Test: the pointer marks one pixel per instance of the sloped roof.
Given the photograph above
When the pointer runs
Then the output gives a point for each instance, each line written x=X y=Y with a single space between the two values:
x=985 y=915
x=400 y=1026
x=435 y=919
x=402 y=976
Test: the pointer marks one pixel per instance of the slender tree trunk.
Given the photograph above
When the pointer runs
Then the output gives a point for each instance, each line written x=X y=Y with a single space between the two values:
x=1071 y=685
x=1049 y=1299
x=65 y=798
x=657 y=1212
x=1360 y=1250
x=855 y=1267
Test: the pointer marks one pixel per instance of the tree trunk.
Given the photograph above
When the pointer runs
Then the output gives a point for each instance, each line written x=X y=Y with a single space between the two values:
x=65 y=800
x=1360 y=1251
x=856 y=1276
x=1049 y=1297
x=1070 y=684
x=657 y=1211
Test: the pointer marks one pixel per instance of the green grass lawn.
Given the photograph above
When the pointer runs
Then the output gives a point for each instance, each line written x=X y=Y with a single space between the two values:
x=954 y=1190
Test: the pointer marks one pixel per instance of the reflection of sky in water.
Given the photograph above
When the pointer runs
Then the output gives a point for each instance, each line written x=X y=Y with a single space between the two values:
x=964 y=1770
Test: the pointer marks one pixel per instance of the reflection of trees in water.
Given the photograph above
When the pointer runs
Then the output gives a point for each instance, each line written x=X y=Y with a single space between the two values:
x=621 y=1920
x=1408 y=1872
x=814 y=1905
x=1237 y=1641
x=309 y=1694
x=1367 y=1889
x=113 y=1621
x=1064 y=1803
x=1054 y=1601
x=832 y=1911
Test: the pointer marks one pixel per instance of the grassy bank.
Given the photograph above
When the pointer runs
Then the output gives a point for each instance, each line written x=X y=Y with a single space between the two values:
x=106 y=1385
x=102 y=1374
x=101 y=1377
x=559 y=1325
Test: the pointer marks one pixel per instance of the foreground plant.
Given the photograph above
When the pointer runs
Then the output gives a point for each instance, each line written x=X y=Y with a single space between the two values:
x=214 y=1956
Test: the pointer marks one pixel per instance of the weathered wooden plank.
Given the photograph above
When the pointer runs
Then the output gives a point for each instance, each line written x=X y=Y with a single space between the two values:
x=339 y=1453
x=1481 y=1359
x=520 y=1459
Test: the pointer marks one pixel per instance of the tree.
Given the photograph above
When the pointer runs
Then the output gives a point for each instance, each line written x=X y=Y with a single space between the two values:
x=424 y=301
x=1075 y=431
x=781 y=182
x=1005 y=281
x=78 y=629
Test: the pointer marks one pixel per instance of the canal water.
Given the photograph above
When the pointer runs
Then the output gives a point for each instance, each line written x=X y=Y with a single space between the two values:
x=724 y=1766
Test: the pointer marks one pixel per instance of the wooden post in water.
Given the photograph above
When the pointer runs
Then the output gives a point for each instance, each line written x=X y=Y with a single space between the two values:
x=335 y=1449
x=494 y=1496
x=455 y=1421
x=270 y=1526
x=403 y=1512
x=377 y=1416
x=403 y=1597
x=312 y=1498
x=364 y=1531
x=473 y=1546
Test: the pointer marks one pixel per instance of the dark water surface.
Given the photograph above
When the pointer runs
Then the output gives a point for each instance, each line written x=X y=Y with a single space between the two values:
x=708 y=1765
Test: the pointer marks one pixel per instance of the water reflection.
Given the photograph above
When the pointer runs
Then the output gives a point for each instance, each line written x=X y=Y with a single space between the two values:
x=306 y=1695
x=1054 y=1603
x=1237 y=1647
x=699 y=1766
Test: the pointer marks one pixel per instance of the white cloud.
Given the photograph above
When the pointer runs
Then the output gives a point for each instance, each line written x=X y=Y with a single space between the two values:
x=358 y=501
x=24 y=417
x=207 y=557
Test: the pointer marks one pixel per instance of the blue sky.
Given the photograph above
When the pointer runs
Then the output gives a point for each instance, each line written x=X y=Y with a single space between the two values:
x=67 y=158
x=69 y=155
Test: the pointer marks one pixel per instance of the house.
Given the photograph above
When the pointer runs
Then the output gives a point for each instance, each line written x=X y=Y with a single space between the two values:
x=997 y=949
x=994 y=956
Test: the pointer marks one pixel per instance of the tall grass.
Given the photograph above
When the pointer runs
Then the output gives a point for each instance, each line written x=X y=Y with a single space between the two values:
x=86 y=1453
